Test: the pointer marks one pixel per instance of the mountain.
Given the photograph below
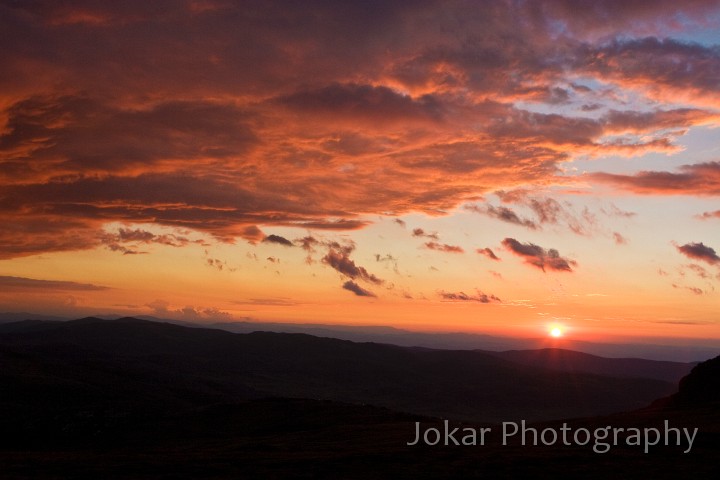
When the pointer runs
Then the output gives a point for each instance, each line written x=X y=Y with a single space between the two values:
x=701 y=387
x=7 y=317
x=570 y=361
x=137 y=399
x=691 y=352
x=129 y=360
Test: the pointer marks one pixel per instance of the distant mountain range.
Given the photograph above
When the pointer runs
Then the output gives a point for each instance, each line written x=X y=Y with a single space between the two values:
x=694 y=351
x=472 y=341
x=103 y=360
x=689 y=352
x=132 y=398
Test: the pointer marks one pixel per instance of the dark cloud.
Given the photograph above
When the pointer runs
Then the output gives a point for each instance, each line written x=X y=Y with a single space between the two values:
x=115 y=242
x=488 y=253
x=443 y=247
x=343 y=264
x=22 y=283
x=662 y=66
x=699 y=179
x=382 y=110
x=400 y=222
x=357 y=289
x=419 y=232
x=330 y=224
x=67 y=135
x=115 y=247
x=539 y=257
x=376 y=104
x=505 y=214
x=463 y=297
x=699 y=251
x=272 y=238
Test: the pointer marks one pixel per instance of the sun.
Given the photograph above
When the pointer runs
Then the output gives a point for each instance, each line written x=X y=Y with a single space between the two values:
x=556 y=332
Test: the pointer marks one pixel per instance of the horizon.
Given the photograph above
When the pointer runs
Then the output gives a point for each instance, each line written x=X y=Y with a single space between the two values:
x=381 y=165
x=656 y=349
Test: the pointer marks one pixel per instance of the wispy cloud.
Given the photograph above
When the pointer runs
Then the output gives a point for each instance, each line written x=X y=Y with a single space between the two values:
x=357 y=289
x=22 y=283
x=479 y=297
x=488 y=253
x=444 y=247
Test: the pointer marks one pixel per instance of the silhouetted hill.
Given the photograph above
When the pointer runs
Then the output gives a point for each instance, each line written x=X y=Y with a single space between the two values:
x=691 y=352
x=130 y=361
x=701 y=387
x=576 y=362
x=138 y=399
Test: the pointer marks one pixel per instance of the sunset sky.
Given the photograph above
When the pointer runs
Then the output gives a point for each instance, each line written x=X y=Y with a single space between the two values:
x=487 y=166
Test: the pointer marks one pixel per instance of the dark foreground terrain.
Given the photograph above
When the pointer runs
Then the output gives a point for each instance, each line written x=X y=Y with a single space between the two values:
x=133 y=399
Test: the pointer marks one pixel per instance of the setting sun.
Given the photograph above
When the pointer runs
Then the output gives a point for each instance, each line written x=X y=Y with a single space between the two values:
x=556 y=332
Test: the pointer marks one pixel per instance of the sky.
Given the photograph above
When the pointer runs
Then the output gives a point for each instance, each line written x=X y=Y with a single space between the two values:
x=488 y=166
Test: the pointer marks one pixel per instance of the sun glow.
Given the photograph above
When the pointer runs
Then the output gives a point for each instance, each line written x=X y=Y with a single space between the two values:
x=556 y=332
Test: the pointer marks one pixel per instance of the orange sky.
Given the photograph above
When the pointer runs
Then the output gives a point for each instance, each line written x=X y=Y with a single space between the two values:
x=490 y=166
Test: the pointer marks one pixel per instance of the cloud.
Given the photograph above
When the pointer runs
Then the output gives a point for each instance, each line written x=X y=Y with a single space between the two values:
x=343 y=264
x=252 y=234
x=443 y=247
x=709 y=215
x=549 y=211
x=342 y=224
x=357 y=289
x=377 y=105
x=387 y=258
x=539 y=257
x=658 y=66
x=32 y=284
x=419 y=232
x=116 y=241
x=614 y=211
x=275 y=302
x=164 y=309
x=699 y=179
x=695 y=290
x=619 y=239
x=216 y=263
x=272 y=238
x=373 y=111
x=463 y=297
x=699 y=251
x=505 y=214
x=488 y=253
x=699 y=271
